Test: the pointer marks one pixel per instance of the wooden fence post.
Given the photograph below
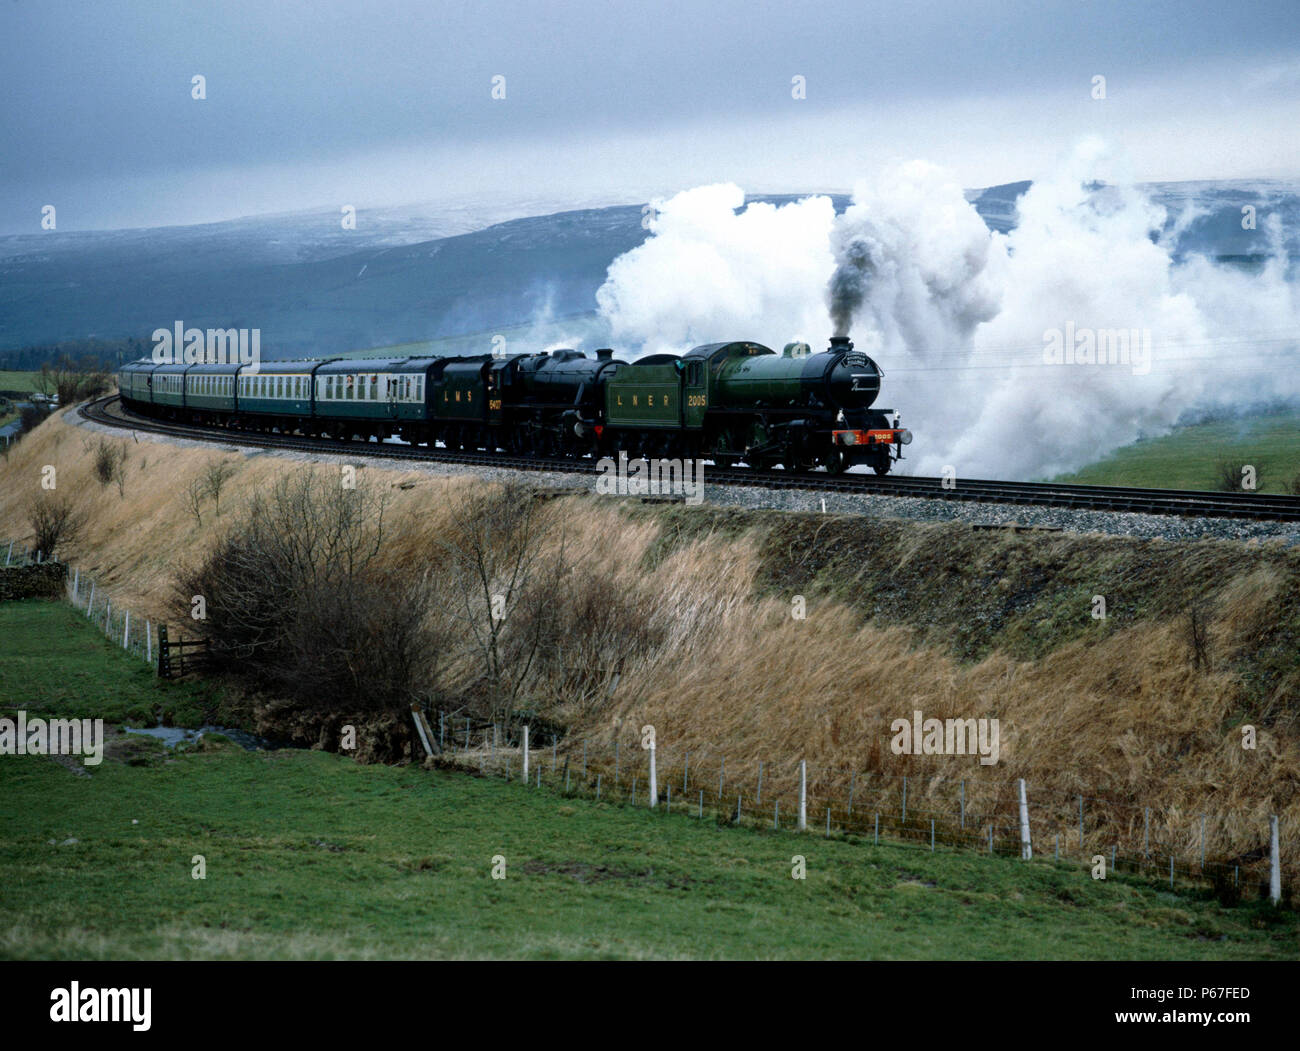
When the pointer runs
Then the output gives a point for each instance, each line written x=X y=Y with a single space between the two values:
x=164 y=654
x=1275 y=863
x=1026 y=848
x=419 y=729
x=803 y=794
x=654 y=783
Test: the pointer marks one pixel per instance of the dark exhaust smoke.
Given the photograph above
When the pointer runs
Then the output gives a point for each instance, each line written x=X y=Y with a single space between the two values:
x=856 y=264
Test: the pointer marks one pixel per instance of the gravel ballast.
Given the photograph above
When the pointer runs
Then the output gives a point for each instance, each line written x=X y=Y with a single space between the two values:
x=1117 y=523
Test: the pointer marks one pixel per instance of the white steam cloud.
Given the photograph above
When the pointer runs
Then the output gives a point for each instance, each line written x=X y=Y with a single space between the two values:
x=959 y=317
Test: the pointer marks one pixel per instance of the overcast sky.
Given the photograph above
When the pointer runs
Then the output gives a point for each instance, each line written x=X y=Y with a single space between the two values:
x=317 y=104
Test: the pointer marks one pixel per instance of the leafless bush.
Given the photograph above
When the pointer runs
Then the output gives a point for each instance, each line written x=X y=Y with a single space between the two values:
x=492 y=558
x=587 y=629
x=53 y=522
x=31 y=417
x=72 y=381
x=215 y=476
x=1293 y=486
x=1231 y=476
x=109 y=461
x=194 y=494
x=297 y=602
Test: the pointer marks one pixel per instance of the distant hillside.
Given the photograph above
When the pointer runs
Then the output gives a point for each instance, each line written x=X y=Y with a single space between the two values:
x=409 y=275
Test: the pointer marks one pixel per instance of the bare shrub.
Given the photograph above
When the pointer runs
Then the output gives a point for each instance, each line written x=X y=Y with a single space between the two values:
x=109 y=461
x=215 y=476
x=73 y=381
x=31 y=417
x=53 y=522
x=1230 y=476
x=492 y=557
x=588 y=626
x=298 y=603
x=194 y=494
x=1293 y=486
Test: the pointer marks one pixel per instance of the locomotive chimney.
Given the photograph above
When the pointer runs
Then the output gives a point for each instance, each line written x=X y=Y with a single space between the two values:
x=604 y=353
x=840 y=344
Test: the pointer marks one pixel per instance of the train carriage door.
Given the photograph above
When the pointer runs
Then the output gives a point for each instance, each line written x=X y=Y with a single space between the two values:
x=695 y=393
x=391 y=384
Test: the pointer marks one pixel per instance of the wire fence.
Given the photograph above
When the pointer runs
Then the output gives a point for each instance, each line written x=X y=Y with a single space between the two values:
x=134 y=633
x=982 y=814
x=978 y=813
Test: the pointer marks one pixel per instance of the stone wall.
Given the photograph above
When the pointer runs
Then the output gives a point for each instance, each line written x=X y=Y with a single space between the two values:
x=43 y=581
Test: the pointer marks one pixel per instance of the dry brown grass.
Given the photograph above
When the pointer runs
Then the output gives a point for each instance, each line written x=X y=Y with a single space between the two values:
x=1120 y=713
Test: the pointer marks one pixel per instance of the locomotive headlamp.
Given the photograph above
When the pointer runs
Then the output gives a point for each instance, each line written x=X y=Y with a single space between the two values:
x=905 y=437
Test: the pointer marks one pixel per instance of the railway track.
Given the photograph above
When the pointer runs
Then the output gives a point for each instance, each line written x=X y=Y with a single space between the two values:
x=1187 y=503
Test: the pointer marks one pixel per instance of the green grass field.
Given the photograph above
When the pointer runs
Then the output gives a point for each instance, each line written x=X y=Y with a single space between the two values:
x=24 y=381
x=54 y=661
x=1189 y=457
x=310 y=855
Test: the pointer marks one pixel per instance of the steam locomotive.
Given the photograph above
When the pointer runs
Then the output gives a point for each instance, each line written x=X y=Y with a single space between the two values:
x=725 y=402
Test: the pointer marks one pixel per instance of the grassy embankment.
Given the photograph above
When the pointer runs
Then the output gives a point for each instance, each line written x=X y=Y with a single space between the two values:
x=899 y=617
x=310 y=855
x=1189 y=457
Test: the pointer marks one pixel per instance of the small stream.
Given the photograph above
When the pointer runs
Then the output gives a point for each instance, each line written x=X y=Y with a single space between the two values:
x=171 y=736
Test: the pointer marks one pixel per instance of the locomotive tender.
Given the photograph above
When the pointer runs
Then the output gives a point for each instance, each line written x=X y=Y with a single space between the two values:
x=725 y=402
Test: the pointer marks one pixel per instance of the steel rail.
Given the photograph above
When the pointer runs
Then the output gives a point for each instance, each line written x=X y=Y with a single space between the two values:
x=1183 y=502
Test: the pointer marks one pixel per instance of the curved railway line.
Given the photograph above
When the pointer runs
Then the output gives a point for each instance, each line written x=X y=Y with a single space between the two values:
x=1186 y=503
